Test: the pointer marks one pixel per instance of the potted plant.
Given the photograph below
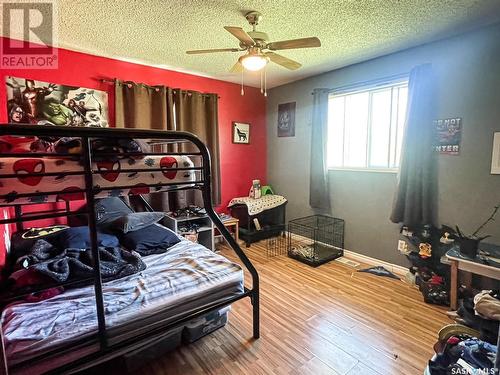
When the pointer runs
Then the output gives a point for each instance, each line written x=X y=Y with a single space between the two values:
x=468 y=245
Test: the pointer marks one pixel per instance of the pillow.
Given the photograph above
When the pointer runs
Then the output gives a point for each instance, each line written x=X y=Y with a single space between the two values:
x=22 y=242
x=110 y=209
x=79 y=238
x=135 y=221
x=153 y=239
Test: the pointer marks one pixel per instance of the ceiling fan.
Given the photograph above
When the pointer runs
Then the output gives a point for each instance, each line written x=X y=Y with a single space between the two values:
x=259 y=49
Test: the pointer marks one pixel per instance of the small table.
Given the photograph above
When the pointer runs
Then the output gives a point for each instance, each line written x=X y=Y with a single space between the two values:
x=459 y=262
x=233 y=222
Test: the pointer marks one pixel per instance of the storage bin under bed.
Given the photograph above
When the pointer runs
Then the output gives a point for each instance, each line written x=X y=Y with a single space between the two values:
x=192 y=331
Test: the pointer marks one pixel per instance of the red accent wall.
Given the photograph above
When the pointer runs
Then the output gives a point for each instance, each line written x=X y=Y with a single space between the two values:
x=240 y=164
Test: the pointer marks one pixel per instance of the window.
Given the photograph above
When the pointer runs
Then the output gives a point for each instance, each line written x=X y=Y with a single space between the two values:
x=365 y=127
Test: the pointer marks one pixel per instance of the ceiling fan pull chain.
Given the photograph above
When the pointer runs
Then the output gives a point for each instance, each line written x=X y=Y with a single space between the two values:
x=261 y=82
x=265 y=81
x=242 y=89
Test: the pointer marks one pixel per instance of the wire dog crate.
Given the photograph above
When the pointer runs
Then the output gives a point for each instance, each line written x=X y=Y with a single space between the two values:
x=315 y=239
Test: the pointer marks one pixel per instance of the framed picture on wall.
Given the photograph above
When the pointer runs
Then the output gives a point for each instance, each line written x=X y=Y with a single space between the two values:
x=241 y=132
x=495 y=156
x=45 y=103
x=286 y=120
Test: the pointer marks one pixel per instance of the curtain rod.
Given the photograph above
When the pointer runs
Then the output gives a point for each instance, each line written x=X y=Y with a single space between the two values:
x=113 y=81
x=372 y=82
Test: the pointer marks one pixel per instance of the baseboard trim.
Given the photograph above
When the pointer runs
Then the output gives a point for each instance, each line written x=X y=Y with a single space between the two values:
x=398 y=270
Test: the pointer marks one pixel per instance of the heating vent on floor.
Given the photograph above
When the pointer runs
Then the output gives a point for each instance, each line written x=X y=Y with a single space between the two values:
x=347 y=262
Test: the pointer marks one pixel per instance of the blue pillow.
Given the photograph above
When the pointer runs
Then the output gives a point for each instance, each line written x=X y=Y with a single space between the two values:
x=110 y=209
x=79 y=238
x=153 y=239
x=135 y=221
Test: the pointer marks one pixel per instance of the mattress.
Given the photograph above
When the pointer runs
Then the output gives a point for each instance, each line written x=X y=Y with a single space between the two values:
x=28 y=177
x=188 y=276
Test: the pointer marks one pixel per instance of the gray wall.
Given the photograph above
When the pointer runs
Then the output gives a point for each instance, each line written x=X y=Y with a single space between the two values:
x=468 y=71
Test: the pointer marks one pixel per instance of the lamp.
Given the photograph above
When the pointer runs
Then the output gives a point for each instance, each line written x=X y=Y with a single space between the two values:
x=254 y=61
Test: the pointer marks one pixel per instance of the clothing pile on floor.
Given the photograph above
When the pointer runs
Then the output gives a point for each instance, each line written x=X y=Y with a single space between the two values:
x=470 y=346
x=463 y=354
x=482 y=313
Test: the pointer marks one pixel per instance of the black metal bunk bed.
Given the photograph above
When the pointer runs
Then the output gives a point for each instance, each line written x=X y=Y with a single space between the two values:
x=151 y=331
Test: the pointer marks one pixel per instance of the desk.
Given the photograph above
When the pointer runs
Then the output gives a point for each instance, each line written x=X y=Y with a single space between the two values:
x=459 y=262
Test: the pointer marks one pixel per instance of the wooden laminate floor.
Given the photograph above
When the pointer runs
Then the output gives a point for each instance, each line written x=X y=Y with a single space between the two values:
x=325 y=320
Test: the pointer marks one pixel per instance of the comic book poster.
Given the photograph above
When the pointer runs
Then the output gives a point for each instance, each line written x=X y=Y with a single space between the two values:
x=449 y=135
x=42 y=103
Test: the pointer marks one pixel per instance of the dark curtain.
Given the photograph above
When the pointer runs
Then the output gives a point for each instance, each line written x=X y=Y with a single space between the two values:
x=162 y=108
x=415 y=201
x=319 y=194
x=141 y=106
x=144 y=107
x=197 y=113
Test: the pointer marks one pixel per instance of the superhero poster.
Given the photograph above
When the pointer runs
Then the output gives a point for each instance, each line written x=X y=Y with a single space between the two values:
x=42 y=103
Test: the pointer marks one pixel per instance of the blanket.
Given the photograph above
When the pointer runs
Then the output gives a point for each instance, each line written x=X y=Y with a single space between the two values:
x=256 y=206
x=72 y=264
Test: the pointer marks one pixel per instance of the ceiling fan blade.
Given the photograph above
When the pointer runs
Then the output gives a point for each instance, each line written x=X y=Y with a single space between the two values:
x=241 y=34
x=237 y=68
x=196 y=51
x=295 y=43
x=283 y=61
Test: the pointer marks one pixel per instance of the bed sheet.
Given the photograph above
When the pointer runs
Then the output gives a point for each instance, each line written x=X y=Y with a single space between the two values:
x=185 y=277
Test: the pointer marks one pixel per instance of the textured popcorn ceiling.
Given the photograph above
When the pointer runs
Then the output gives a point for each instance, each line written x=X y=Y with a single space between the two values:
x=159 y=32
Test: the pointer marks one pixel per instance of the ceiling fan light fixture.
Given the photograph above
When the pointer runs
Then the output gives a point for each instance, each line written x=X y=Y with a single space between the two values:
x=254 y=62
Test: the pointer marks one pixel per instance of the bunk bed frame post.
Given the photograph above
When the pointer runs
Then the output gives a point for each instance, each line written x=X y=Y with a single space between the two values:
x=207 y=200
x=19 y=212
x=255 y=298
x=89 y=192
x=4 y=368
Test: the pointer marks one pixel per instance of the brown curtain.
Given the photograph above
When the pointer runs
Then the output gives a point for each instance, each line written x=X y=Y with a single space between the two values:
x=141 y=106
x=197 y=113
x=162 y=108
